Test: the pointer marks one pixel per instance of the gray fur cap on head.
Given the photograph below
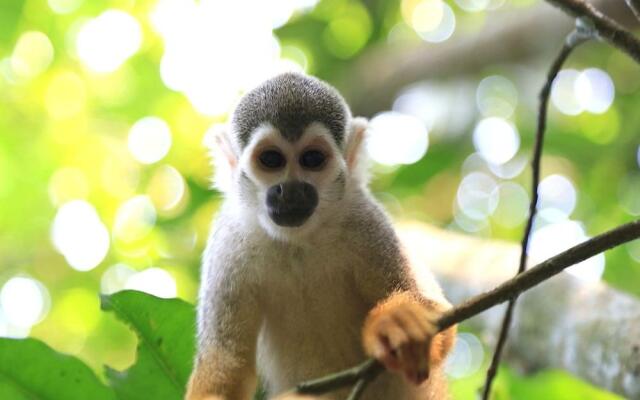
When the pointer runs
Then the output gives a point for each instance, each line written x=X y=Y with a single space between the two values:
x=290 y=102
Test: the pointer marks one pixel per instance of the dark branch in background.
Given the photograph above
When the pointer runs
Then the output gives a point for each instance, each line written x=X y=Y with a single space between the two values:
x=634 y=5
x=368 y=370
x=509 y=37
x=582 y=33
x=606 y=28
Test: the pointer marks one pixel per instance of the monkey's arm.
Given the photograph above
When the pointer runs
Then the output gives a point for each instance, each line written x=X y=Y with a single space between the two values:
x=400 y=329
x=228 y=325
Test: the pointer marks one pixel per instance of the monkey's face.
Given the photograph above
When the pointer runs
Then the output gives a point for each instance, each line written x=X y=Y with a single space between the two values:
x=292 y=185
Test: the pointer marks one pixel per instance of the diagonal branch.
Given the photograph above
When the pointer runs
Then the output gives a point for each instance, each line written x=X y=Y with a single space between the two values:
x=582 y=33
x=607 y=29
x=370 y=369
x=634 y=5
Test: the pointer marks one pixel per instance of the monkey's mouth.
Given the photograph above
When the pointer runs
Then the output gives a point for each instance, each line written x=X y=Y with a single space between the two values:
x=291 y=203
x=290 y=217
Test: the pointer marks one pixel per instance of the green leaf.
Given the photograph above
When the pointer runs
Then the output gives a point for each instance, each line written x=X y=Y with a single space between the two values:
x=166 y=331
x=29 y=369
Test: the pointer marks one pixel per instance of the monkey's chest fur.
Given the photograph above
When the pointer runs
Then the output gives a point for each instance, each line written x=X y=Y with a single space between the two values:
x=313 y=317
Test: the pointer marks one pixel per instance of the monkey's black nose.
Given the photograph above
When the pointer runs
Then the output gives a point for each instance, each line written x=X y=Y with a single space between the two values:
x=291 y=203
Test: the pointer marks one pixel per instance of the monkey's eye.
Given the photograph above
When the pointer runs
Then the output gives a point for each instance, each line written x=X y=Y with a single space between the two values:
x=272 y=159
x=312 y=159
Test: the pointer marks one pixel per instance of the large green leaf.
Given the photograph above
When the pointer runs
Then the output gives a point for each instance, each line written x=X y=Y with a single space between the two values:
x=165 y=330
x=29 y=369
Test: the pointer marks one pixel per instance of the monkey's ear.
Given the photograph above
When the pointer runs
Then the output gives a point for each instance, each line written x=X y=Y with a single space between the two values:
x=355 y=149
x=224 y=157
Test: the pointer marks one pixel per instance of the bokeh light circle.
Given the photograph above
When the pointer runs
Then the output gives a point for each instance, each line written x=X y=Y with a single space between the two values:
x=149 y=140
x=24 y=301
x=396 y=138
x=563 y=93
x=594 y=90
x=466 y=358
x=496 y=139
x=433 y=20
x=32 y=55
x=477 y=195
x=104 y=43
x=79 y=235
x=557 y=192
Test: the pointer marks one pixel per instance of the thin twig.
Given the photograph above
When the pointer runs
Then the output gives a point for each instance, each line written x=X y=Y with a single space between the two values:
x=506 y=291
x=575 y=38
x=607 y=29
x=634 y=5
x=341 y=379
x=358 y=389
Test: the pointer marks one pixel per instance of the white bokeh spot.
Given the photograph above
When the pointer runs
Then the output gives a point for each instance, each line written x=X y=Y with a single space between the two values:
x=595 y=90
x=477 y=195
x=563 y=93
x=24 y=301
x=433 y=20
x=396 y=138
x=79 y=235
x=557 y=192
x=496 y=139
x=104 y=43
x=149 y=140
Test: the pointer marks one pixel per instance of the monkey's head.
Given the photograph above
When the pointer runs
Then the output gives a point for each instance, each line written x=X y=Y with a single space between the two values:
x=292 y=154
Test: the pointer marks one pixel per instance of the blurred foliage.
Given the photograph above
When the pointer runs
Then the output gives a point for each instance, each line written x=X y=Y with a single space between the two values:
x=163 y=361
x=164 y=328
x=65 y=136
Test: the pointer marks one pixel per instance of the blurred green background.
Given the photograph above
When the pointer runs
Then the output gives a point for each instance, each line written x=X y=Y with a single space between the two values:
x=107 y=109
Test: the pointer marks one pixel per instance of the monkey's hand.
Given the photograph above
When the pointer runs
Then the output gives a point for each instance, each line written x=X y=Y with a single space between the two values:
x=401 y=333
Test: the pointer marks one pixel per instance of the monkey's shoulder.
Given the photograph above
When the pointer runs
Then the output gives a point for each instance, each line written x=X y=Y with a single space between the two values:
x=368 y=226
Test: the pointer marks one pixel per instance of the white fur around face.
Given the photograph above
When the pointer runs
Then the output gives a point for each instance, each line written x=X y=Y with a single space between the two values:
x=330 y=182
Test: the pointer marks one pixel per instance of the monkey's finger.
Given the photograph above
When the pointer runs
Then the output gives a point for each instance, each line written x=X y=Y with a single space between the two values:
x=406 y=319
x=394 y=333
x=423 y=361
x=408 y=355
x=382 y=350
x=390 y=360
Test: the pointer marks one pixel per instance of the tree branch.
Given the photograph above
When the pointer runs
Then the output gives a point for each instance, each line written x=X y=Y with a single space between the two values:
x=607 y=29
x=520 y=37
x=582 y=33
x=369 y=369
x=586 y=328
x=634 y=5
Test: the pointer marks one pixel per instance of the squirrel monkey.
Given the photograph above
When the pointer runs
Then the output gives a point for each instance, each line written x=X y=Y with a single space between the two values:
x=303 y=274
